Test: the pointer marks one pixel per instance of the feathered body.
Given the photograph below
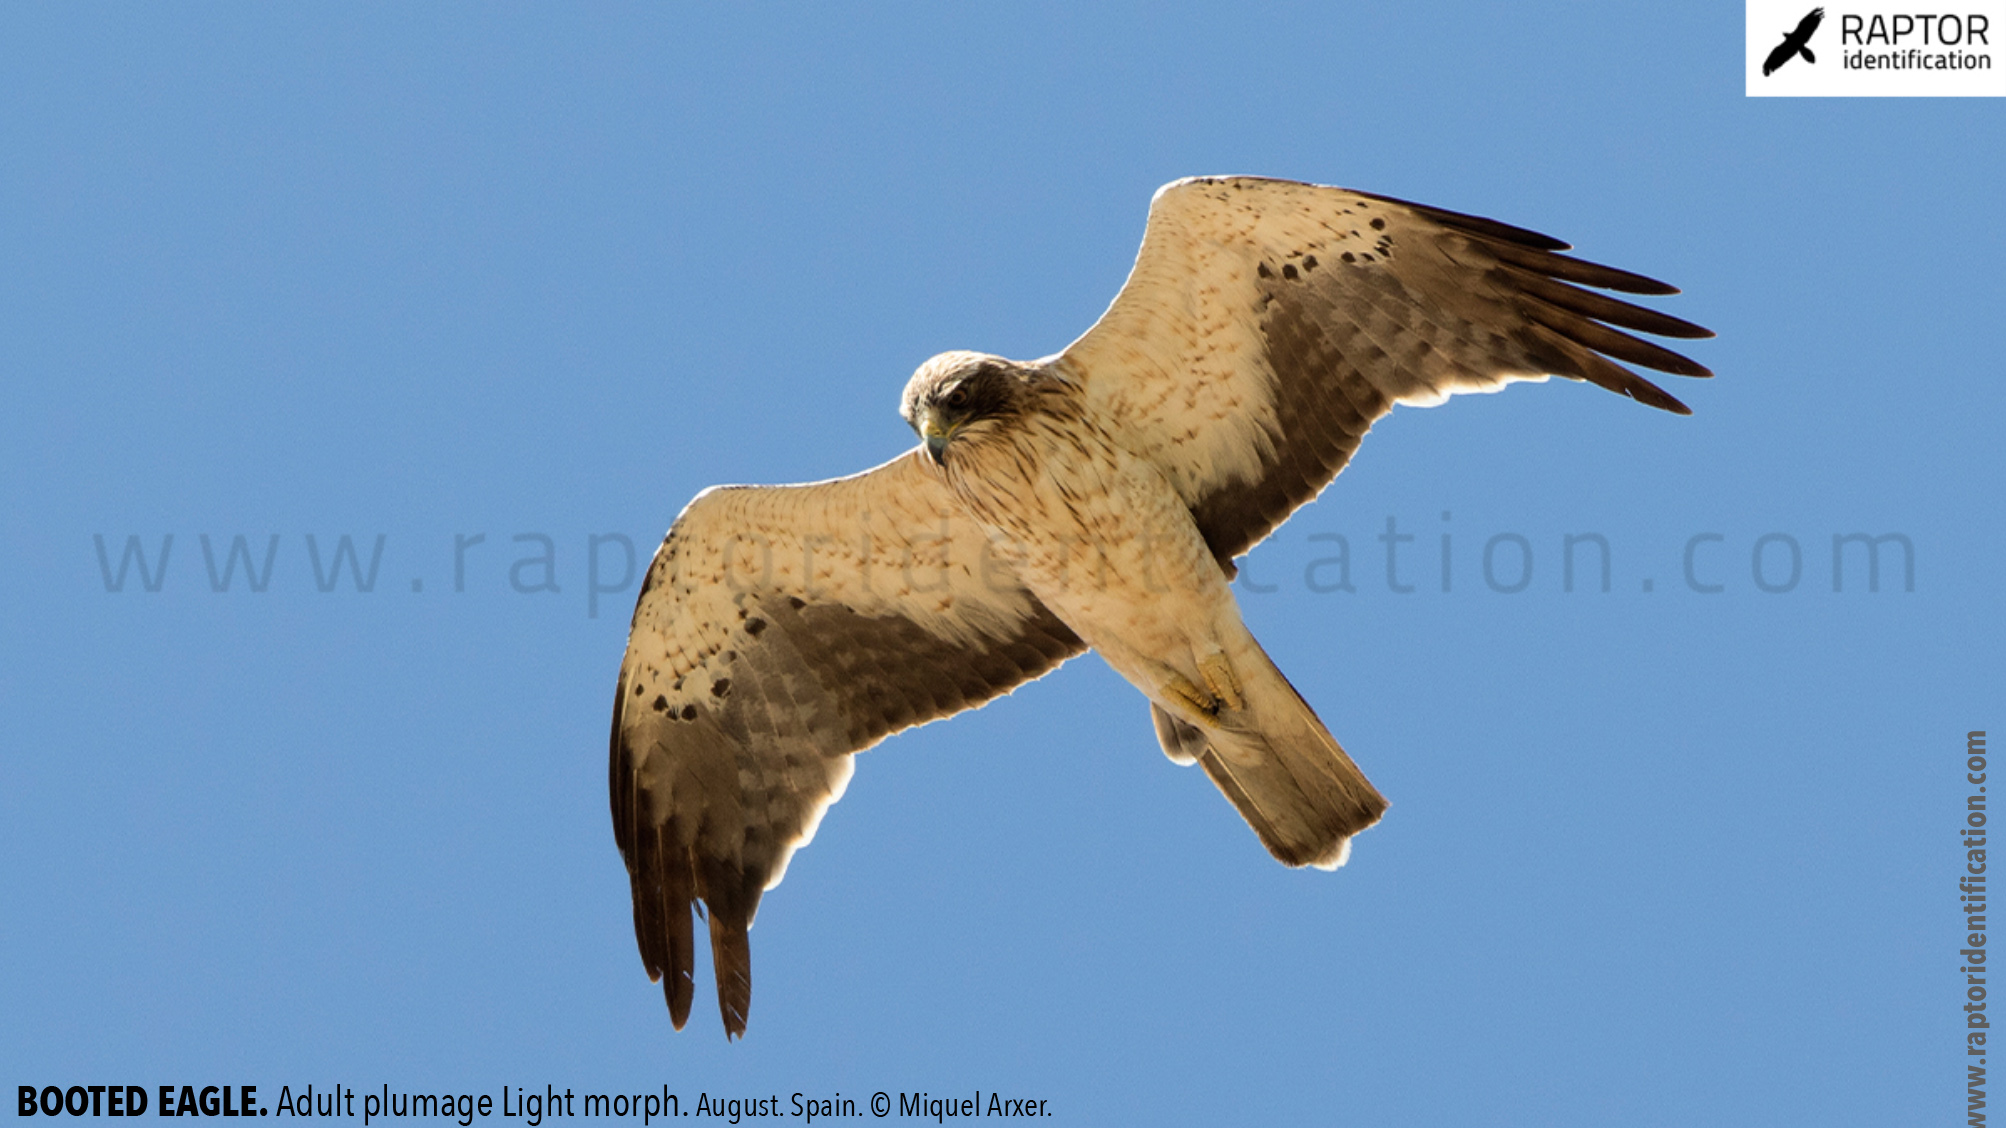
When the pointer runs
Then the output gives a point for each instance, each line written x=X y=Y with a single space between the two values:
x=1099 y=535
x=1097 y=497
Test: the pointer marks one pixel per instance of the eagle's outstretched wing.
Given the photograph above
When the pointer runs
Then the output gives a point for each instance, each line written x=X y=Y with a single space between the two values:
x=1267 y=324
x=779 y=630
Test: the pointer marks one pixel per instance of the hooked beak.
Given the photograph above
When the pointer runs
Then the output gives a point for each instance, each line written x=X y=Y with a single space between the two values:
x=936 y=435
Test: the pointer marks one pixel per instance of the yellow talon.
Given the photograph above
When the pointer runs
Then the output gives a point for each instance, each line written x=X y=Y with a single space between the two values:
x=1218 y=674
x=1202 y=703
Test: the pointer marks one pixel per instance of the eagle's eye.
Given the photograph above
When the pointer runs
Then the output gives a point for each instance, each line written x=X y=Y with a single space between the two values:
x=958 y=398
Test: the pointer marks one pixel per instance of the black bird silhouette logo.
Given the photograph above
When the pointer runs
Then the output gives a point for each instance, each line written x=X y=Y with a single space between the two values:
x=1796 y=43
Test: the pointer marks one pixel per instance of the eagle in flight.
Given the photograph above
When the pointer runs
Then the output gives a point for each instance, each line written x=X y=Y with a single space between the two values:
x=1094 y=498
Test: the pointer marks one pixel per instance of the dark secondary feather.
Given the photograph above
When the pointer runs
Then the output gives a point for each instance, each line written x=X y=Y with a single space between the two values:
x=707 y=801
x=714 y=780
x=1319 y=352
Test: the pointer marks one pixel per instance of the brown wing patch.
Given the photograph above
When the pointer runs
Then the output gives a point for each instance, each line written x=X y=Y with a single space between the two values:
x=1323 y=408
x=1267 y=324
x=719 y=771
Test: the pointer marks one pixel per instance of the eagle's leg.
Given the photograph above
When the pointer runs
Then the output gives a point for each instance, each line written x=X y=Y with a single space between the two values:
x=1200 y=702
x=1220 y=692
x=1218 y=675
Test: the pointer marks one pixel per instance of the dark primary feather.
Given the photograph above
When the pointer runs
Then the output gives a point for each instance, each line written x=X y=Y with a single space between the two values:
x=1247 y=367
x=1325 y=404
x=710 y=791
x=1479 y=299
x=878 y=675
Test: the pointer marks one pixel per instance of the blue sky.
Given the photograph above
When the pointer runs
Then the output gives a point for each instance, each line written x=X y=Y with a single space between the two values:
x=1655 y=856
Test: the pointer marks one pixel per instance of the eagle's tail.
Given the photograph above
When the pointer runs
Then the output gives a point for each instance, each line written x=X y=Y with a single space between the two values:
x=1278 y=765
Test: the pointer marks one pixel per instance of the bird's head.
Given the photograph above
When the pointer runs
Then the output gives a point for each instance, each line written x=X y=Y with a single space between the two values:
x=959 y=394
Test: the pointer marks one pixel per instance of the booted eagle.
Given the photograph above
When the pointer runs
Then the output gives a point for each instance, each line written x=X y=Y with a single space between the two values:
x=1095 y=498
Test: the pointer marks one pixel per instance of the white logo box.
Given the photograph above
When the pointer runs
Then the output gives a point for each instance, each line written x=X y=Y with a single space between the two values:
x=1917 y=49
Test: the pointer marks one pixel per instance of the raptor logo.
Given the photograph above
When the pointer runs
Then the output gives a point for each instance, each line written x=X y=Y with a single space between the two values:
x=1796 y=43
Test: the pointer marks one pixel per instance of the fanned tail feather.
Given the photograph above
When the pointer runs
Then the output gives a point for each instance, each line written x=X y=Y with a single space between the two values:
x=1279 y=767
